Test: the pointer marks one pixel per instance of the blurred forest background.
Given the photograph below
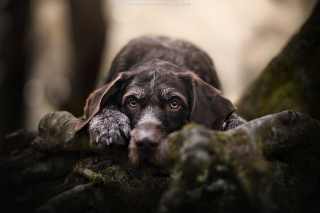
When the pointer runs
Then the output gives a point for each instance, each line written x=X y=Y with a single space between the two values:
x=53 y=53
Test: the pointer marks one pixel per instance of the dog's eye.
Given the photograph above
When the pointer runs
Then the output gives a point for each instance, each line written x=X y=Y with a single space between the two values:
x=174 y=105
x=133 y=103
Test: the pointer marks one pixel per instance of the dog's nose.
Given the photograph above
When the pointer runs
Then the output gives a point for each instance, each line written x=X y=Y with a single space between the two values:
x=146 y=140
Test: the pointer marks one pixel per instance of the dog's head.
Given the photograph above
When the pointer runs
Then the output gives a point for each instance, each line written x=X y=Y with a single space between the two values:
x=159 y=98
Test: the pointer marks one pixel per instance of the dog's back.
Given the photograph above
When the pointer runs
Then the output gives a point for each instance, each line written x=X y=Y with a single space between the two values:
x=177 y=51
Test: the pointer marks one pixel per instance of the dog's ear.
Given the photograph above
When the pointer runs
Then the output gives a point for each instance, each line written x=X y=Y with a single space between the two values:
x=208 y=106
x=99 y=98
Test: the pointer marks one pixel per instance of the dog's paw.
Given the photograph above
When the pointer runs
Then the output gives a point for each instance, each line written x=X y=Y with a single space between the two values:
x=232 y=121
x=109 y=126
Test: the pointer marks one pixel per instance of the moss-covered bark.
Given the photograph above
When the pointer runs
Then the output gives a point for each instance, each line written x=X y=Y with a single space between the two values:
x=271 y=164
x=292 y=80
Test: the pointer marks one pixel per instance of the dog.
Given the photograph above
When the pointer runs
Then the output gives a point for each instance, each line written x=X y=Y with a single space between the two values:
x=155 y=86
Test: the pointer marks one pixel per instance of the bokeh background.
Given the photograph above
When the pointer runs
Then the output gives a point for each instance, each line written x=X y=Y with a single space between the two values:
x=53 y=53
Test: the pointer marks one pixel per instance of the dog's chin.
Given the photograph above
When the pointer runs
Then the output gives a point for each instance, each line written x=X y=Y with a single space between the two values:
x=153 y=158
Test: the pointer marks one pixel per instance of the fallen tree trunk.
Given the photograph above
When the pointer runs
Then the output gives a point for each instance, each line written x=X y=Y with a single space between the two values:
x=271 y=164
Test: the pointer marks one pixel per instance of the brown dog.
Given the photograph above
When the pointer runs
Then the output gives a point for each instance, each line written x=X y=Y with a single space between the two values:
x=155 y=86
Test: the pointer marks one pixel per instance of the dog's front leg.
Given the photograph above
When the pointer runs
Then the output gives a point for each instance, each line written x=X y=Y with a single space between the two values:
x=109 y=126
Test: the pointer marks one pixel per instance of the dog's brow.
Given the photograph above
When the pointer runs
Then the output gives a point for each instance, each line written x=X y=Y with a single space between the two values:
x=168 y=93
x=138 y=93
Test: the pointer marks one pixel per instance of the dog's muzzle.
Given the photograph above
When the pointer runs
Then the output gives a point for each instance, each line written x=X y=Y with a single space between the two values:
x=148 y=136
x=146 y=143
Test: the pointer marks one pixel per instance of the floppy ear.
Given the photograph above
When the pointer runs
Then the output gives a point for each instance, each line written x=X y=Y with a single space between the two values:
x=99 y=98
x=208 y=106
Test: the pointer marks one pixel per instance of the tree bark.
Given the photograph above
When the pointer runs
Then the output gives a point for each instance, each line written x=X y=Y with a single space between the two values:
x=291 y=80
x=270 y=164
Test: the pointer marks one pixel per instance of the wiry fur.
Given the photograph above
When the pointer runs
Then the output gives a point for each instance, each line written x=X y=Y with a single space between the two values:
x=161 y=71
x=109 y=126
x=148 y=116
x=232 y=121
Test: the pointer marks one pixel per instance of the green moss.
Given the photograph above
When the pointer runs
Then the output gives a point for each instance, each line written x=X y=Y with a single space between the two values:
x=96 y=178
x=222 y=168
x=276 y=90
x=219 y=146
x=202 y=177
x=176 y=175
x=259 y=143
x=195 y=194
x=111 y=170
x=290 y=95
x=175 y=141
x=220 y=139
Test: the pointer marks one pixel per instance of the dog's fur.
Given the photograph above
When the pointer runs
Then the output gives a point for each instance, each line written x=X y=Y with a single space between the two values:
x=154 y=87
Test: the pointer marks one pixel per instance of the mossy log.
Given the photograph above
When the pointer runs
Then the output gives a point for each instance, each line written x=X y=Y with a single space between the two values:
x=271 y=164
x=291 y=81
